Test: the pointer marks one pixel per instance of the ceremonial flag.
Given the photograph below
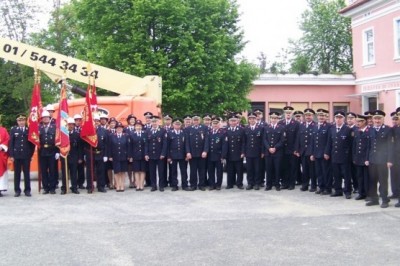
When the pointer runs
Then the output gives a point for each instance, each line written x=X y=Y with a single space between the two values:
x=34 y=115
x=88 y=132
x=62 y=133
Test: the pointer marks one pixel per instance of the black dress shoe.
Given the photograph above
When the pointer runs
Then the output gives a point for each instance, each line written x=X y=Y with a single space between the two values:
x=52 y=192
x=304 y=189
x=256 y=187
x=188 y=189
x=318 y=191
x=278 y=188
x=153 y=189
x=229 y=187
x=348 y=196
x=240 y=187
x=211 y=188
x=28 y=194
x=326 y=192
x=249 y=187
x=284 y=187
x=161 y=189
x=397 y=205
x=385 y=204
x=268 y=188
x=291 y=188
x=75 y=191
x=174 y=189
x=360 y=197
x=372 y=203
x=102 y=190
x=81 y=187
x=218 y=188
x=17 y=194
x=337 y=194
x=63 y=192
x=45 y=192
x=312 y=190
x=202 y=188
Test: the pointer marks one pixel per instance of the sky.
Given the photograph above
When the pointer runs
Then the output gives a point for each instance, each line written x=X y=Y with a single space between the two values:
x=267 y=25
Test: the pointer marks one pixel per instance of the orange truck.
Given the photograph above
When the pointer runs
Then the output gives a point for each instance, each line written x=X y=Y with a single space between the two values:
x=136 y=95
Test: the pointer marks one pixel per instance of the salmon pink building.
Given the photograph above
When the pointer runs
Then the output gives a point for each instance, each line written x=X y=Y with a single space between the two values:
x=271 y=92
x=376 y=51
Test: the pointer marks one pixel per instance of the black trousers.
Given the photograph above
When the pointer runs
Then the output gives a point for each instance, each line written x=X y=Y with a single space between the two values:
x=81 y=174
x=378 y=173
x=395 y=179
x=22 y=165
x=308 y=172
x=73 y=177
x=215 y=167
x=290 y=165
x=323 y=174
x=353 y=173
x=197 y=172
x=253 y=170
x=47 y=168
x=362 y=179
x=234 y=173
x=182 y=163
x=342 y=171
x=167 y=173
x=155 y=165
x=262 y=171
x=273 y=164
x=98 y=173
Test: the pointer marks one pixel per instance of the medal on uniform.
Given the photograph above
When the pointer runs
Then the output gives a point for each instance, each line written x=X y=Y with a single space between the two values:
x=202 y=136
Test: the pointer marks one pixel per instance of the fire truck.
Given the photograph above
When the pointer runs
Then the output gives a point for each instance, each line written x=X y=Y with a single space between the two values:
x=136 y=95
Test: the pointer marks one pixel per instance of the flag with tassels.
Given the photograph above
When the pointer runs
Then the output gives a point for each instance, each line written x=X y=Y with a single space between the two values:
x=34 y=115
x=88 y=132
x=62 y=133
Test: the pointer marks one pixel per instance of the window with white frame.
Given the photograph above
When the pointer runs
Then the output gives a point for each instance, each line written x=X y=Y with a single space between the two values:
x=369 y=47
x=397 y=38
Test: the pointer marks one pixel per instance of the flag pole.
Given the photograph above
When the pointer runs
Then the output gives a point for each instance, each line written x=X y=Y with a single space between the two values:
x=66 y=175
x=37 y=80
x=91 y=167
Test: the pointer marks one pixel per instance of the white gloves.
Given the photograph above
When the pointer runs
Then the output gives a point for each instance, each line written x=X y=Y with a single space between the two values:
x=105 y=159
x=57 y=156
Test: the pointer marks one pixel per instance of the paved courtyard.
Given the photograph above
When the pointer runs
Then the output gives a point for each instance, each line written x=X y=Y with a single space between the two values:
x=227 y=227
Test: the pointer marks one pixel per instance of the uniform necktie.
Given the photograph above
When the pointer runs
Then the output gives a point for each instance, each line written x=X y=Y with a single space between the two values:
x=337 y=129
x=287 y=122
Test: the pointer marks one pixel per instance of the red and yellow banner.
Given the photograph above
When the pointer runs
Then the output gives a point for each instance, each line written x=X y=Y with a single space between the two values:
x=62 y=133
x=88 y=132
x=34 y=115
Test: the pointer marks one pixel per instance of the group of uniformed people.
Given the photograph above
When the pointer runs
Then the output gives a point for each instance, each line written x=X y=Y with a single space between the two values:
x=350 y=155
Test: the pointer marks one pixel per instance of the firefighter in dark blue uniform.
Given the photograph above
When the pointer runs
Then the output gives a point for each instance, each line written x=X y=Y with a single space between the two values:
x=176 y=155
x=253 y=150
x=97 y=159
x=360 y=154
x=48 y=154
x=298 y=117
x=196 y=153
x=351 y=123
x=146 y=126
x=290 y=160
x=214 y=156
x=273 y=140
x=74 y=158
x=157 y=149
x=304 y=150
x=260 y=122
x=320 y=138
x=139 y=151
x=167 y=125
x=81 y=166
x=131 y=120
x=234 y=153
x=395 y=170
x=119 y=153
x=380 y=159
x=338 y=150
x=20 y=152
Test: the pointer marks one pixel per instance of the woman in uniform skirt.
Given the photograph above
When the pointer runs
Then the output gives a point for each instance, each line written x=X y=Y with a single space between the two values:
x=120 y=155
x=139 y=150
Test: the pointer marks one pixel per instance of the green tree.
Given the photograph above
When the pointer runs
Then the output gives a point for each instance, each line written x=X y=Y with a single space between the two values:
x=326 y=44
x=192 y=44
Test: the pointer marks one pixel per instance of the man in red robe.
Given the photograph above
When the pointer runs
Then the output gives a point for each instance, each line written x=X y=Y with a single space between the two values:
x=4 y=139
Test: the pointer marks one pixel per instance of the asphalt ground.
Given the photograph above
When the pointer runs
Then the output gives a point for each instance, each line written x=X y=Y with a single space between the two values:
x=227 y=227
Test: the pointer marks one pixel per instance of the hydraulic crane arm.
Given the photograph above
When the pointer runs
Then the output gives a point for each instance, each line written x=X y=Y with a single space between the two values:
x=57 y=65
